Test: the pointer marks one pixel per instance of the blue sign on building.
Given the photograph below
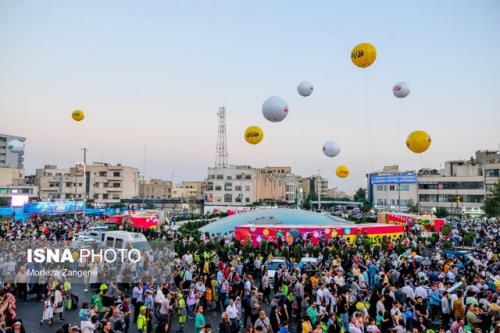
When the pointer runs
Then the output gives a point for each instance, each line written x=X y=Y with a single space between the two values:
x=407 y=178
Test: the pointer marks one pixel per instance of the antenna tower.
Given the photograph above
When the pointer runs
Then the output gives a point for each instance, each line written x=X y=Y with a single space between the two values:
x=221 y=148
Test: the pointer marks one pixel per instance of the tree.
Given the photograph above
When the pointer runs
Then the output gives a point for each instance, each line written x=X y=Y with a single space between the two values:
x=360 y=195
x=412 y=207
x=492 y=204
x=441 y=212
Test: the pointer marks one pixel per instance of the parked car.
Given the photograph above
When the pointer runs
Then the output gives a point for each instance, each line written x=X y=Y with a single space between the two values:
x=273 y=265
x=308 y=265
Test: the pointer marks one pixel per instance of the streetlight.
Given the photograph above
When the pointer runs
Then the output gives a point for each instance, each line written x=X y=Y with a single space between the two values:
x=78 y=169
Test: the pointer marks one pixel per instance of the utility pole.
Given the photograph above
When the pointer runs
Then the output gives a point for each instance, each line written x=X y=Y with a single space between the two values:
x=85 y=193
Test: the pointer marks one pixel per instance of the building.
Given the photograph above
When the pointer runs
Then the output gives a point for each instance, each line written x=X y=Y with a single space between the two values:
x=391 y=189
x=13 y=184
x=58 y=184
x=489 y=161
x=271 y=184
x=155 y=189
x=9 y=159
x=102 y=183
x=311 y=185
x=337 y=194
x=189 y=190
x=234 y=186
x=462 y=185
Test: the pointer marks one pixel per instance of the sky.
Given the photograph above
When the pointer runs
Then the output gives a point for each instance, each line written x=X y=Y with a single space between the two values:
x=150 y=76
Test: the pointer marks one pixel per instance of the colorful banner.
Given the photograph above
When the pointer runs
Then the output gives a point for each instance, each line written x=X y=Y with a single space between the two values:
x=430 y=223
x=57 y=207
x=257 y=233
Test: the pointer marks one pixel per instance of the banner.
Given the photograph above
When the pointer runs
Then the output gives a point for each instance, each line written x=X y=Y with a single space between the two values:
x=57 y=207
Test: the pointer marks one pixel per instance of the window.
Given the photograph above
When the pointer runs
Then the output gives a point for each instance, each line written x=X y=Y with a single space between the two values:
x=218 y=188
x=68 y=184
x=391 y=188
x=380 y=187
x=118 y=243
x=237 y=188
x=210 y=186
x=116 y=174
x=238 y=198
x=102 y=173
x=452 y=186
x=116 y=197
x=96 y=196
x=247 y=188
x=105 y=196
x=228 y=187
x=211 y=176
x=247 y=200
x=404 y=187
x=109 y=241
x=116 y=184
x=219 y=176
x=492 y=173
x=228 y=198
x=238 y=177
x=229 y=177
x=248 y=176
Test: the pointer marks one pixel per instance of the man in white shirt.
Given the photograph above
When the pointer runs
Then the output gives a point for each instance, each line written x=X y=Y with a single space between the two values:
x=233 y=314
x=421 y=292
x=408 y=291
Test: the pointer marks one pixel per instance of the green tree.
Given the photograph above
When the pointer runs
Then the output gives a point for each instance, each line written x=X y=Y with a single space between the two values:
x=412 y=207
x=360 y=195
x=492 y=204
x=441 y=212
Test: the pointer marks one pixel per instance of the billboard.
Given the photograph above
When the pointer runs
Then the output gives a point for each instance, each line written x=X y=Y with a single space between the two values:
x=407 y=178
x=56 y=207
x=19 y=200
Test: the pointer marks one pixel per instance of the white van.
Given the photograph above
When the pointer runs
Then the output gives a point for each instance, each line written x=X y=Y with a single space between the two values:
x=125 y=240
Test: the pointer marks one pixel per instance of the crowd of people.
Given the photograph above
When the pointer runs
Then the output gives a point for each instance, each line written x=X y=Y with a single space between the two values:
x=408 y=284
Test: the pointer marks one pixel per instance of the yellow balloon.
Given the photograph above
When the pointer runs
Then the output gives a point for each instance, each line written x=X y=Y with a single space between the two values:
x=363 y=55
x=78 y=115
x=342 y=171
x=418 y=141
x=254 y=135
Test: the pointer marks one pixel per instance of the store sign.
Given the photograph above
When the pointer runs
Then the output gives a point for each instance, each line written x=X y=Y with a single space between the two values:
x=409 y=178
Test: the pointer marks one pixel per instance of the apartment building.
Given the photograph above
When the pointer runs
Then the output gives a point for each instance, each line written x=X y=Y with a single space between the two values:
x=155 y=189
x=462 y=185
x=314 y=185
x=391 y=189
x=192 y=190
x=234 y=186
x=12 y=183
x=99 y=182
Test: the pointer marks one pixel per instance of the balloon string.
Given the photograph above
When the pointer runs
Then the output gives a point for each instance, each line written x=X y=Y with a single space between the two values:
x=367 y=117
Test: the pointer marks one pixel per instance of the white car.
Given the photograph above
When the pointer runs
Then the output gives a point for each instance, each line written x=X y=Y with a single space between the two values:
x=274 y=264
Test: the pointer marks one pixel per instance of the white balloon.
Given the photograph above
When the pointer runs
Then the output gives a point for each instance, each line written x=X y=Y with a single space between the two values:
x=15 y=146
x=401 y=89
x=331 y=148
x=305 y=88
x=275 y=109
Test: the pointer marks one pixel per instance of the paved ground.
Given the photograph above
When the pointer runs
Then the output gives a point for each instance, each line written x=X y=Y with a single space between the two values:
x=31 y=312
